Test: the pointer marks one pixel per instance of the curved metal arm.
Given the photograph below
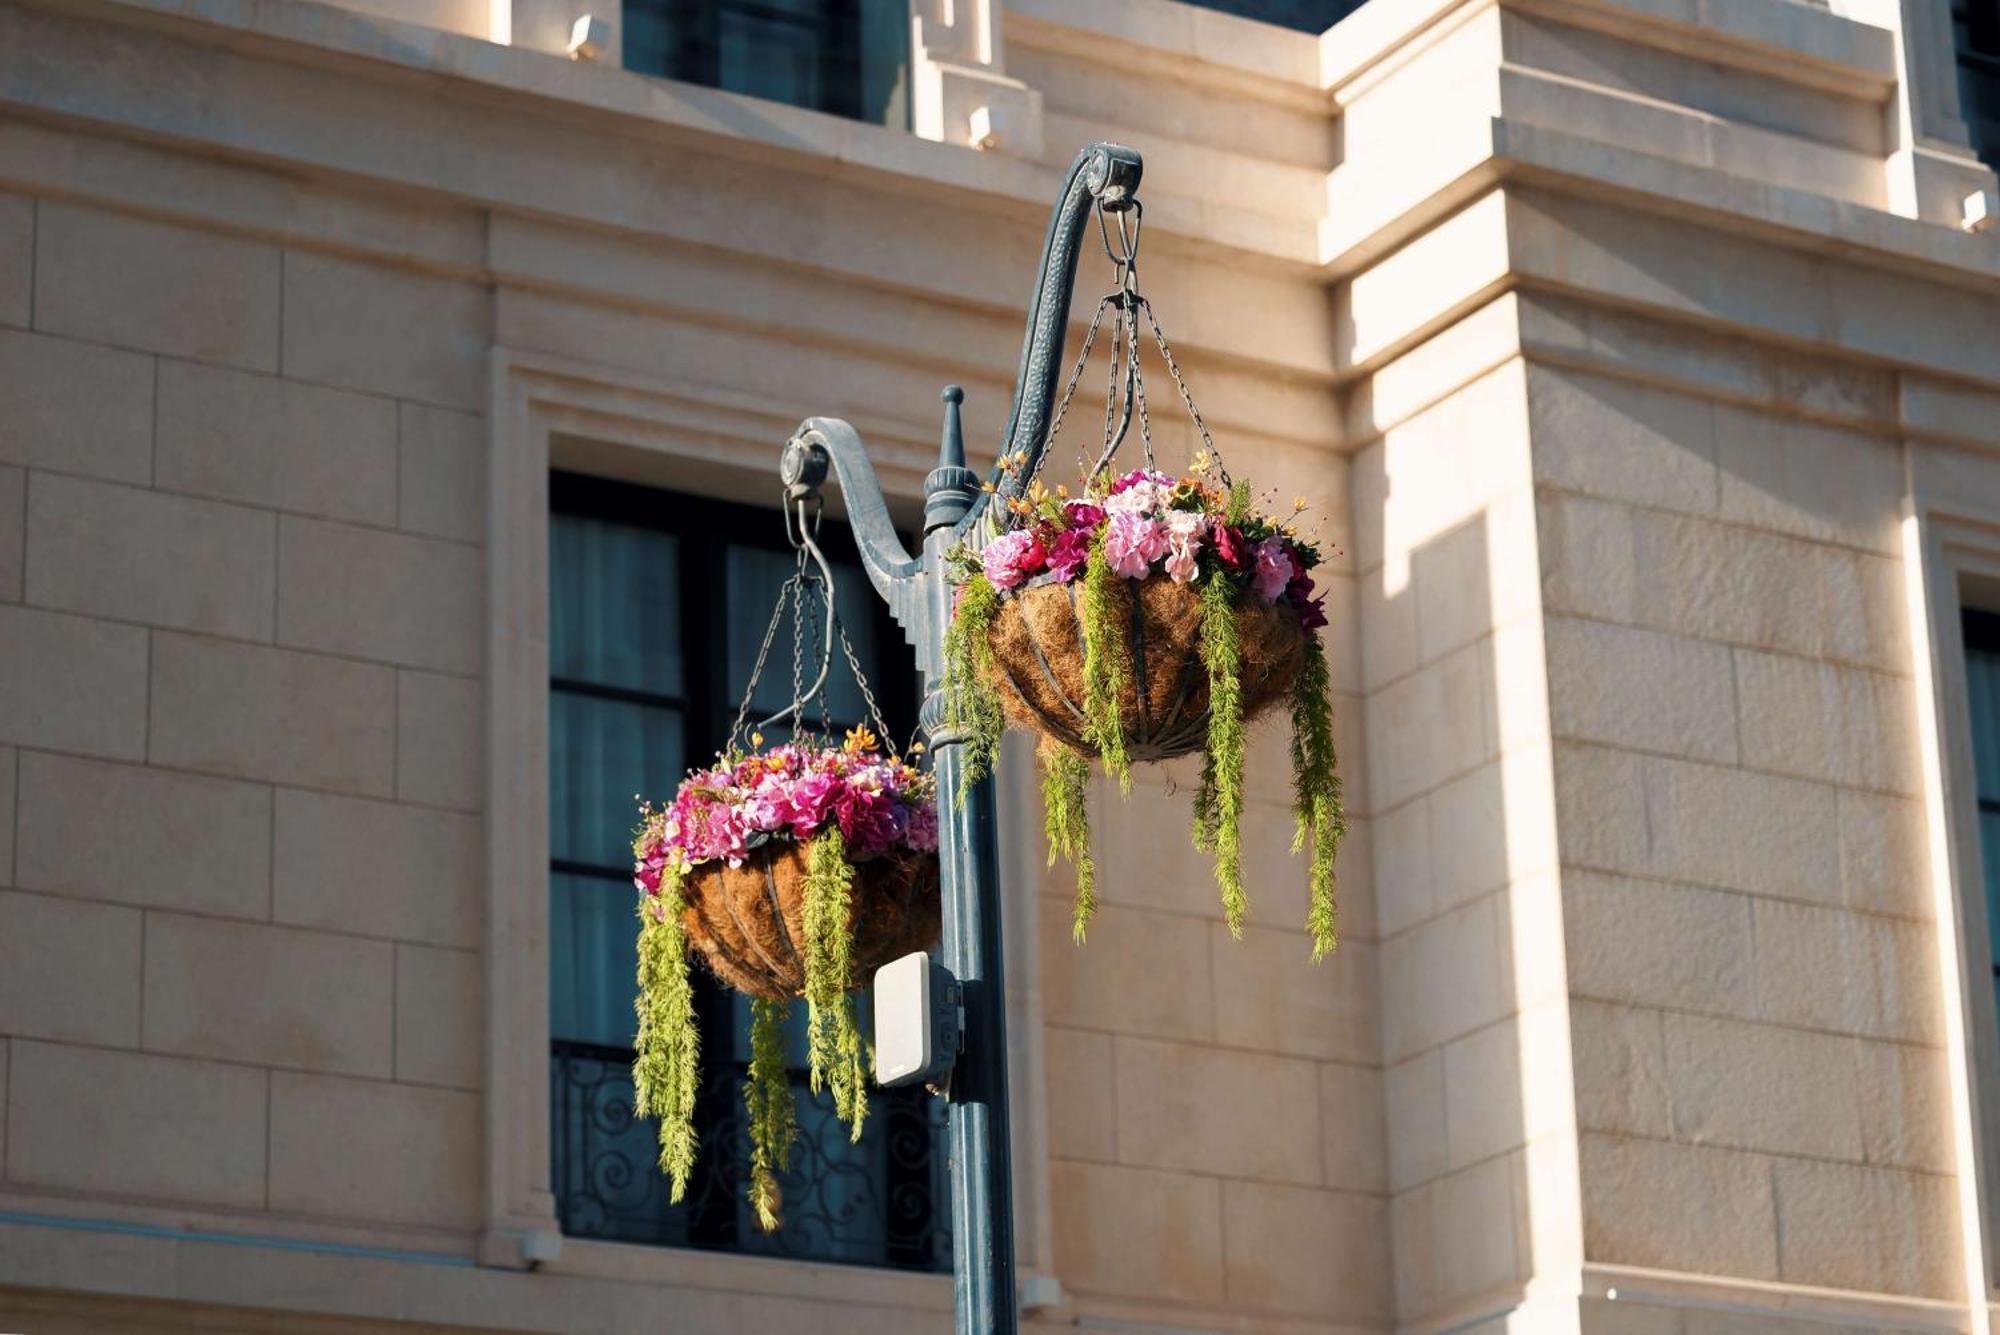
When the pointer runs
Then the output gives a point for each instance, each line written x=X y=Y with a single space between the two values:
x=821 y=441
x=1106 y=174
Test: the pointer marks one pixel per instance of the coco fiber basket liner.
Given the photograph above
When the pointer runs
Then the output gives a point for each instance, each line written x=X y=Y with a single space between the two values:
x=1037 y=642
x=748 y=921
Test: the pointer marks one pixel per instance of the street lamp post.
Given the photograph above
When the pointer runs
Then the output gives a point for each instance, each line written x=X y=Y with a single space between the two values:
x=919 y=596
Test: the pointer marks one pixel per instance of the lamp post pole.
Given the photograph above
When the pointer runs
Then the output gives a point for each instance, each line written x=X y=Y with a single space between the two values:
x=919 y=594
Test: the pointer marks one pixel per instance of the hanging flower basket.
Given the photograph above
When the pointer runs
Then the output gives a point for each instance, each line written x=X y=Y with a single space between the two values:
x=793 y=871
x=1149 y=617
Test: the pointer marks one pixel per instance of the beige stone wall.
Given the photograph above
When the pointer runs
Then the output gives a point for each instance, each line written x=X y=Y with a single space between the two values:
x=1625 y=351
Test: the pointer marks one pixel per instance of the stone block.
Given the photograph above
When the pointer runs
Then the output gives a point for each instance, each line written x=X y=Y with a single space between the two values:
x=1589 y=557
x=1083 y=1120
x=386 y=331
x=1621 y=441
x=378 y=869
x=261 y=713
x=1430 y=726
x=1182 y=1107
x=1678 y=1207
x=1639 y=689
x=13 y=531
x=387 y=596
x=440 y=1013
x=183 y=841
x=145 y=556
x=1905 y=1098
x=1388 y=628
x=184 y=292
x=1822 y=721
x=135 y=1126
x=1441 y=979
x=72 y=684
x=1870 y=1229
x=1311 y=1253
x=440 y=724
x=1418 y=1148
x=1452 y=578
x=69 y=971
x=1620 y=1059
x=363 y=1150
x=1846 y=972
x=442 y=466
x=1883 y=865
x=1809 y=479
x=76 y=407
x=1759 y=1087
x=1352 y=1111
x=1269 y=995
x=9 y=769
x=277 y=443
x=269 y=995
x=1660 y=817
x=1484 y=1113
x=1126 y=1232
x=1144 y=860
x=17 y=258
x=1480 y=1235
x=1468 y=822
x=1651 y=943
x=1141 y=973
x=1404 y=883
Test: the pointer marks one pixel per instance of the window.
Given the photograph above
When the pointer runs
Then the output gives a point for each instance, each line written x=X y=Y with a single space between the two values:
x=1982 y=686
x=1976 y=26
x=658 y=603
x=1314 y=16
x=847 y=57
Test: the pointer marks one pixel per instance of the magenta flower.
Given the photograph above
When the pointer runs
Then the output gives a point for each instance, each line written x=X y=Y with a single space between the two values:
x=1012 y=557
x=1084 y=515
x=1229 y=546
x=1275 y=568
x=1068 y=554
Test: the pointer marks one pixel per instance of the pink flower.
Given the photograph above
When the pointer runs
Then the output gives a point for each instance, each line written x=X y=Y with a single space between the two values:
x=1068 y=554
x=1133 y=543
x=922 y=832
x=812 y=798
x=1012 y=557
x=1140 y=492
x=1274 y=571
x=1184 y=533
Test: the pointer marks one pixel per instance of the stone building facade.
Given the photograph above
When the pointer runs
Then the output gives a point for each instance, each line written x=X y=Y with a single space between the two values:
x=1641 y=356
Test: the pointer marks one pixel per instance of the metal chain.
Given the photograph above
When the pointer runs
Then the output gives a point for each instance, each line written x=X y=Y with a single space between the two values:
x=757 y=672
x=1180 y=383
x=1075 y=375
x=861 y=680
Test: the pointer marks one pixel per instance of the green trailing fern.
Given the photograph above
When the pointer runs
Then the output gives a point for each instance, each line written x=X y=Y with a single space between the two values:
x=1106 y=673
x=1316 y=805
x=970 y=702
x=773 y=1122
x=666 y=1068
x=1219 y=813
x=833 y=1041
x=1065 y=792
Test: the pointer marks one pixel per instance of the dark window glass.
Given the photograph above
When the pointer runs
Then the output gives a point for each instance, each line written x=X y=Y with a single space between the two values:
x=846 y=57
x=1976 y=25
x=1982 y=681
x=658 y=603
x=1305 y=15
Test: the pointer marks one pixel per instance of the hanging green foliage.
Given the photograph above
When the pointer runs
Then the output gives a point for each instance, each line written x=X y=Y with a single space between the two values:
x=1205 y=811
x=773 y=1121
x=1106 y=672
x=1220 y=818
x=970 y=702
x=666 y=1067
x=833 y=1041
x=1066 y=816
x=1316 y=805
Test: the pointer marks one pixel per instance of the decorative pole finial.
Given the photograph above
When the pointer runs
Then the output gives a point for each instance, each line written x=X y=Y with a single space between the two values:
x=951 y=487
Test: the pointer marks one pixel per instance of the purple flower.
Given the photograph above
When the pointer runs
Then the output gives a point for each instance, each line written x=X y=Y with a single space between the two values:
x=1012 y=557
x=922 y=831
x=1274 y=571
x=1133 y=543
